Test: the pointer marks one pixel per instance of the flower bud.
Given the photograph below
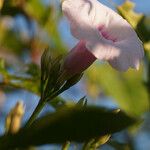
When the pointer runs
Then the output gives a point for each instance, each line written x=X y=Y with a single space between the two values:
x=14 y=118
x=1 y=4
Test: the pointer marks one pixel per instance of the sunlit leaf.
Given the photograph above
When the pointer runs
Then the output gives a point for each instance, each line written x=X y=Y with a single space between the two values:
x=137 y=20
x=94 y=144
x=40 y=12
x=147 y=46
x=127 y=89
x=126 y=10
x=2 y=64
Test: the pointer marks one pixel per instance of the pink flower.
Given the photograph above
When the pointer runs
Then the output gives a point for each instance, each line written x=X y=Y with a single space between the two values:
x=103 y=34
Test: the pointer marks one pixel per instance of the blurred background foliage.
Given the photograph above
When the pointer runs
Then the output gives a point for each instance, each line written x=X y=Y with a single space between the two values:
x=27 y=27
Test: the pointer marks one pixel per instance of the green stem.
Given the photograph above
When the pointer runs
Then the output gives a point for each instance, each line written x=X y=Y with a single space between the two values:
x=36 y=112
x=40 y=106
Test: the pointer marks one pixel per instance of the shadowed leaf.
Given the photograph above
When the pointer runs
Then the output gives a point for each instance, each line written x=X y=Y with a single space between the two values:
x=68 y=124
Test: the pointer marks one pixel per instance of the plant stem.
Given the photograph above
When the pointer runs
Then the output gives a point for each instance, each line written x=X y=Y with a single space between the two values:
x=40 y=106
x=36 y=112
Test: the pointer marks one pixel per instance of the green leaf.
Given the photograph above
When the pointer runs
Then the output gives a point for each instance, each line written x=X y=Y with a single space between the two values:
x=126 y=10
x=70 y=123
x=127 y=89
x=33 y=70
x=42 y=13
x=2 y=64
x=82 y=101
x=137 y=20
x=72 y=81
x=57 y=102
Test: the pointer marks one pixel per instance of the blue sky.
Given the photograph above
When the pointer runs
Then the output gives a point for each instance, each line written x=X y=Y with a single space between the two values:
x=141 y=5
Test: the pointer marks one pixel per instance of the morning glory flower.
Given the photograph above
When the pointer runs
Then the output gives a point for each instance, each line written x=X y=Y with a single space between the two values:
x=102 y=34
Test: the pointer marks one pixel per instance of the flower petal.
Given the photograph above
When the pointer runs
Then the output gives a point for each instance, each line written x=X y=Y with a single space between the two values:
x=121 y=55
x=79 y=14
x=131 y=52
